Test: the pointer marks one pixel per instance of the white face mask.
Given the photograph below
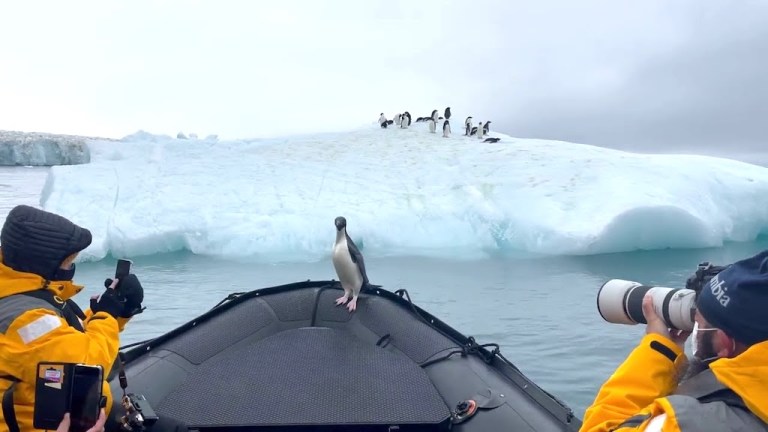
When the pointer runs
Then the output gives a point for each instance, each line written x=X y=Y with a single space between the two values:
x=695 y=337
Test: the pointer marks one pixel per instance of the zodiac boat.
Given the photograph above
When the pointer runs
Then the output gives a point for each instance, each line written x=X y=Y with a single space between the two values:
x=287 y=358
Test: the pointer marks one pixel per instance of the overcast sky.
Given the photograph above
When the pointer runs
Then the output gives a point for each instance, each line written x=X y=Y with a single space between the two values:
x=642 y=75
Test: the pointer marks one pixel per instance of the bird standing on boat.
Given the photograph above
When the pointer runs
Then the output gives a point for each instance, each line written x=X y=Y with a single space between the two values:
x=349 y=265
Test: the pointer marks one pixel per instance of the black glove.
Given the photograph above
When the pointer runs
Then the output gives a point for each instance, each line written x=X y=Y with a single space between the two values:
x=130 y=292
x=110 y=302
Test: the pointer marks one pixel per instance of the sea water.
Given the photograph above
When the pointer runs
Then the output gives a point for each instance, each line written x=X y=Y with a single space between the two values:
x=540 y=308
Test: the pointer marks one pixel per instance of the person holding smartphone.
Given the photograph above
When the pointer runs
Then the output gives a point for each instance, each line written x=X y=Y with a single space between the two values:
x=39 y=321
x=98 y=427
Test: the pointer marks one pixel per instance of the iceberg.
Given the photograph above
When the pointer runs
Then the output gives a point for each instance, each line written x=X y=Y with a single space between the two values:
x=39 y=149
x=403 y=192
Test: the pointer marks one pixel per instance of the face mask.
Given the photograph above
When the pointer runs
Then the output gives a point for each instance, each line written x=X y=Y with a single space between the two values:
x=64 y=274
x=695 y=340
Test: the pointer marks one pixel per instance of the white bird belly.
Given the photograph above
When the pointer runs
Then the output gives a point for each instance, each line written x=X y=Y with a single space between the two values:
x=347 y=271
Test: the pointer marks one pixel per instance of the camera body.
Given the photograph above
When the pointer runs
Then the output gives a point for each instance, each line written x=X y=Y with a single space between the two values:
x=620 y=301
x=704 y=273
x=138 y=413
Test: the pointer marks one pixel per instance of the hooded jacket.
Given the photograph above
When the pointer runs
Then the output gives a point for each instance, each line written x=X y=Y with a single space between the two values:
x=33 y=244
x=642 y=394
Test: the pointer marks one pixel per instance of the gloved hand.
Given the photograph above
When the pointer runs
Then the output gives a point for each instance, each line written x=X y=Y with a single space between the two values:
x=110 y=302
x=130 y=292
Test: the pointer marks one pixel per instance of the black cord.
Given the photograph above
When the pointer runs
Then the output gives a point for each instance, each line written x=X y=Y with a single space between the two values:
x=231 y=296
x=317 y=302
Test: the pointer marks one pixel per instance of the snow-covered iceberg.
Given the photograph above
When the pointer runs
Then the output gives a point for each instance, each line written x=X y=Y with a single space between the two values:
x=39 y=149
x=403 y=191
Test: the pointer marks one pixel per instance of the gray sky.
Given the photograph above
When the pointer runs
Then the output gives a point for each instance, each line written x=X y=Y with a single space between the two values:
x=645 y=75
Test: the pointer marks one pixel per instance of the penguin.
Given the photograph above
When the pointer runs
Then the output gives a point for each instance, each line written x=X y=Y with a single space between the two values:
x=486 y=128
x=349 y=265
x=491 y=140
x=398 y=119
x=432 y=125
x=480 y=130
x=406 y=120
x=448 y=113
x=468 y=125
x=434 y=115
x=446 y=129
x=382 y=119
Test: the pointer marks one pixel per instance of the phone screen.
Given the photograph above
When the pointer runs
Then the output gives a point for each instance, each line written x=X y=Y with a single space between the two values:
x=122 y=268
x=85 y=397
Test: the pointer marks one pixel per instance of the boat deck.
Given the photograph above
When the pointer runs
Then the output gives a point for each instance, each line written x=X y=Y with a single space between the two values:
x=309 y=376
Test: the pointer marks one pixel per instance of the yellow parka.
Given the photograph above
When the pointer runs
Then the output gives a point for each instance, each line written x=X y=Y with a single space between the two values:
x=32 y=330
x=643 y=388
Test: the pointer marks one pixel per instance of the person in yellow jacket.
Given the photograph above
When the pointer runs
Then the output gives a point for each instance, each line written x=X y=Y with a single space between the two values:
x=38 y=319
x=723 y=388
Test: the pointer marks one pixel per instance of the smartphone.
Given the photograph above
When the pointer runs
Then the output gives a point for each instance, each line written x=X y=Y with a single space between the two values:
x=85 y=397
x=122 y=268
x=67 y=387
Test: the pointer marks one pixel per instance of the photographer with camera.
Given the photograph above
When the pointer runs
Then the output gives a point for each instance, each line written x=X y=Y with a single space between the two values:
x=724 y=387
x=38 y=320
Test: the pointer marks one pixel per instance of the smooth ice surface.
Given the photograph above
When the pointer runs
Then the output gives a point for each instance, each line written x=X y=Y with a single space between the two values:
x=403 y=191
x=39 y=149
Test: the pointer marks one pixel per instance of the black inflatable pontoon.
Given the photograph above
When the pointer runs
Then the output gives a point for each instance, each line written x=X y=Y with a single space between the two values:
x=288 y=358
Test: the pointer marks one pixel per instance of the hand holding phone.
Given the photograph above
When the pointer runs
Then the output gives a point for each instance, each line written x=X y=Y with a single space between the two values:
x=122 y=270
x=71 y=388
x=98 y=427
x=127 y=289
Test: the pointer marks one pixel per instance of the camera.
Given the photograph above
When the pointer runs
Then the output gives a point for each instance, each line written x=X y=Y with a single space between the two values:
x=620 y=301
x=138 y=413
